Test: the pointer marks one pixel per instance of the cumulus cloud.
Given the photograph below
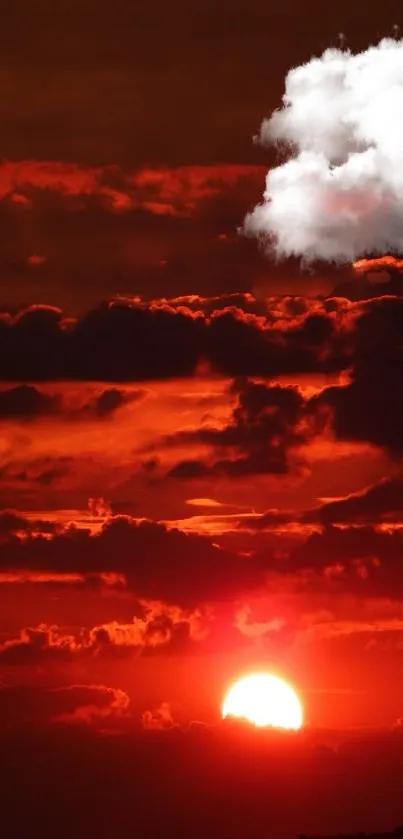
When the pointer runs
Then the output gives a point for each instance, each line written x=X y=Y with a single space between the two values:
x=339 y=195
x=155 y=625
x=129 y=340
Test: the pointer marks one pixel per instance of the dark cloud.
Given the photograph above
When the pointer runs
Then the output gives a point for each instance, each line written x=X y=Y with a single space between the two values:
x=265 y=427
x=350 y=545
x=370 y=408
x=42 y=470
x=12 y=522
x=364 y=560
x=26 y=402
x=382 y=502
x=157 y=562
x=129 y=341
x=373 y=278
x=189 y=470
x=272 y=519
x=244 y=345
x=113 y=343
x=161 y=564
x=376 y=504
x=22 y=704
x=109 y=401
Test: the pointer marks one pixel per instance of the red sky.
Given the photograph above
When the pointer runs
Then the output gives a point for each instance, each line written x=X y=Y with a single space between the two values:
x=200 y=448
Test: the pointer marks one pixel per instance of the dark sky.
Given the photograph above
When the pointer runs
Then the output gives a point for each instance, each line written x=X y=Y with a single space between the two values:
x=159 y=83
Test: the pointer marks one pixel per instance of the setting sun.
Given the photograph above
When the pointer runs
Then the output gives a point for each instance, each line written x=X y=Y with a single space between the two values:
x=264 y=700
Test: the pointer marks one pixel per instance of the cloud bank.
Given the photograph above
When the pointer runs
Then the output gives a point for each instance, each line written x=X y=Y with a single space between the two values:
x=339 y=195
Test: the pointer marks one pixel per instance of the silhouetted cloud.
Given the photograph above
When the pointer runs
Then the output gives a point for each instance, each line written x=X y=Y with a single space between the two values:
x=127 y=340
x=22 y=704
x=381 y=502
x=156 y=562
x=265 y=427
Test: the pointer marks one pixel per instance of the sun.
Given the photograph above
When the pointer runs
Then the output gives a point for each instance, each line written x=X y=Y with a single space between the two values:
x=264 y=700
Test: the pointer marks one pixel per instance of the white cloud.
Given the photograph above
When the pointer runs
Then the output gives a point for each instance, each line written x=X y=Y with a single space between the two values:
x=339 y=196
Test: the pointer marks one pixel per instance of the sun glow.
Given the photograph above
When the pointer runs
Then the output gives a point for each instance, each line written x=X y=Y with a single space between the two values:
x=264 y=700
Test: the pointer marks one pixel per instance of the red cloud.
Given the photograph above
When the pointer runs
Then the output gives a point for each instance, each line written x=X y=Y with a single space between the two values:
x=91 y=704
x=158 y=719
x=377 y=264
x=114 y=703
x=176 y=192
x=155 y=626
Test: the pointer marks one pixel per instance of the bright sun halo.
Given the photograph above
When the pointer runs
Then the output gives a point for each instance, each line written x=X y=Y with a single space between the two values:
x=264 y=700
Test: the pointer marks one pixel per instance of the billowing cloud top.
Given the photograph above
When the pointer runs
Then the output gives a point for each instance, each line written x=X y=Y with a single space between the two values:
x=339 y=196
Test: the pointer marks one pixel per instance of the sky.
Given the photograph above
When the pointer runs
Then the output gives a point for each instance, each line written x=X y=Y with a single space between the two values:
x=200 y=436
